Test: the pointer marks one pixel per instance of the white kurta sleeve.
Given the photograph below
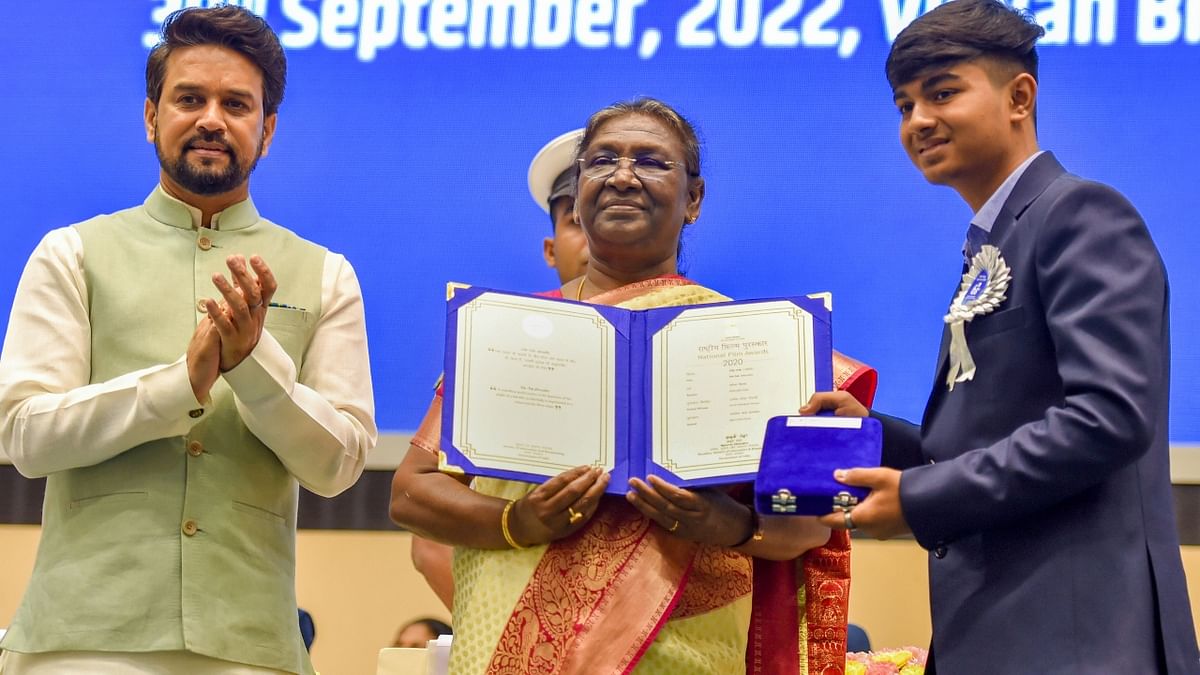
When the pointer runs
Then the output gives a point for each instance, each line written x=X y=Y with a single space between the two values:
x=51 y=418
x=320 y=422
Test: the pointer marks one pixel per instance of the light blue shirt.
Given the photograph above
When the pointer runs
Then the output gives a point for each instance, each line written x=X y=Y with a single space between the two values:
x=986 y=217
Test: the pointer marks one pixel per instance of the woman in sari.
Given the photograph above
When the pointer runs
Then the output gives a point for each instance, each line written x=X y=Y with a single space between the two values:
x=560 y=578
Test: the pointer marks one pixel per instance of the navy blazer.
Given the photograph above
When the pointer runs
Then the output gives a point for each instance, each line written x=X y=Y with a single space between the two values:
x=1042 y=486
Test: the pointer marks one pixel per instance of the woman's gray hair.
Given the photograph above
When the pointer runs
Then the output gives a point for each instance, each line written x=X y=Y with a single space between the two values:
x=650 y=107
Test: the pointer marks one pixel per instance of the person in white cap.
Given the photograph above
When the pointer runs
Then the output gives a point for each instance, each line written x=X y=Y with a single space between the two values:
x=552 y=184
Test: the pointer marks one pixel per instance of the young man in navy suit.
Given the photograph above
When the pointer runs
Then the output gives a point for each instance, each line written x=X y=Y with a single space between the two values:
x=1038 y=478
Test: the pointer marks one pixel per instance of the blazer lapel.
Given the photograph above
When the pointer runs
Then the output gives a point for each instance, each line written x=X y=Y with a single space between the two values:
x=939 y=374
x=1037 y=177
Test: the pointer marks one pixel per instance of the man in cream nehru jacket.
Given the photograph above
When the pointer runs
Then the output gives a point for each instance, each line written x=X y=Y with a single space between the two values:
x=173 y=409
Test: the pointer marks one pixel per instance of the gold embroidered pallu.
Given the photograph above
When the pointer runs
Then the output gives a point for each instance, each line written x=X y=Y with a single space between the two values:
x=624 y=596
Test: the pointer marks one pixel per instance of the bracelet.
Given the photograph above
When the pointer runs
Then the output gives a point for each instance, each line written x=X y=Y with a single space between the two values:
x=504 y=525
x=756 y=531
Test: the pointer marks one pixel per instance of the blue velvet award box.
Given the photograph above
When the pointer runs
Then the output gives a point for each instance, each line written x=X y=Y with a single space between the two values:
x=799 y=456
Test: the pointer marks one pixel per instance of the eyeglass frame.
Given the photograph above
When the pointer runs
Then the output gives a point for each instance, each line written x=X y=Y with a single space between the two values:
x=671 y=164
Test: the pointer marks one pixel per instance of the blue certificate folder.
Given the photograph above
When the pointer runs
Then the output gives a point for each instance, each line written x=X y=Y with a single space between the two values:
x=535 y=386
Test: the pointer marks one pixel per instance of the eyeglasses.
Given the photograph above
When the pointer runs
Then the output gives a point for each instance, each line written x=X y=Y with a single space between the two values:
x=602 y=167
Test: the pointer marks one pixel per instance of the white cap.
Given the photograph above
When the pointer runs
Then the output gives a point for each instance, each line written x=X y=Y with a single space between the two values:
x=555 y=157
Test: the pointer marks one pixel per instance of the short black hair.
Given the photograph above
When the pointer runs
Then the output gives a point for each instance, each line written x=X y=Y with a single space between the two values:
x=227 y=26
x=435 y=626
x=553 y=222
x=964 y=30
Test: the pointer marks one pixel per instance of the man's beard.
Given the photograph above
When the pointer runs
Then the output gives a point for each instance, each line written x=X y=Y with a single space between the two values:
x=204 y=180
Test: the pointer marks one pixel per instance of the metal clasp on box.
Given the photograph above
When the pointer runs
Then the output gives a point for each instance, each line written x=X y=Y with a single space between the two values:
x=783 y=501
x=844 y=501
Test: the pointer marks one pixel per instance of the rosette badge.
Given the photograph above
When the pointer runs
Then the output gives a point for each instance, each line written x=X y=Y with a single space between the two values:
x=983 y=289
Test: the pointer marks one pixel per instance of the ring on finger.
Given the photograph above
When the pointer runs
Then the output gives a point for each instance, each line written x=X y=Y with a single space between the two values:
x=673 y=527
x=573 y=515
x=850 y=526
x=255 y=305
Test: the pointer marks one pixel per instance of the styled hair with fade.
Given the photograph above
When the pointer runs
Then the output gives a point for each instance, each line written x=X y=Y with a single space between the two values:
x=963 y=30
x=226 y=26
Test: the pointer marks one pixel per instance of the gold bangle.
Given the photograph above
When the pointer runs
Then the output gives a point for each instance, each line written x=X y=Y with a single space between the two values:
x=504 y=525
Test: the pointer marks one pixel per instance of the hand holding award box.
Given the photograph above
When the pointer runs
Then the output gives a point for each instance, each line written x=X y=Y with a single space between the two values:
x=535 y=386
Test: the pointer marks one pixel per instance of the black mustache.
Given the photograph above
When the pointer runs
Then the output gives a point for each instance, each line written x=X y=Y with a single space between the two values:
x=207 y=138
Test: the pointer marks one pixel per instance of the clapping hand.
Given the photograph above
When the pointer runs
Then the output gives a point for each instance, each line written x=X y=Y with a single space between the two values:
x=240 y=316
x=204 y=358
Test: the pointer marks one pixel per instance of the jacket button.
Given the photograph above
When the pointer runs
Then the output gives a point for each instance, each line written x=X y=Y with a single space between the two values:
x=189 y=527
x=939 y=552
x=195 y=413
x=195 y=448
x=204 y=243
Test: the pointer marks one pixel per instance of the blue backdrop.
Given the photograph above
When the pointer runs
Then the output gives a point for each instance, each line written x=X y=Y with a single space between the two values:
x=407 y=129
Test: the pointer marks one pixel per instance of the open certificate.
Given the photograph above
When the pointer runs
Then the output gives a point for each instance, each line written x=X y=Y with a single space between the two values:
x=535 y=386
